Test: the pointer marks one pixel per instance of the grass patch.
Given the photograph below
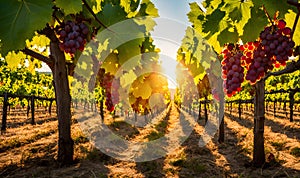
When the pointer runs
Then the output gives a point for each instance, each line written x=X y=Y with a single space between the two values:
x=279 y=146
x=80 y=139
x=245 y=150
x=154 y=135
x=194 y=165
x=295 y=151
x=14 y=143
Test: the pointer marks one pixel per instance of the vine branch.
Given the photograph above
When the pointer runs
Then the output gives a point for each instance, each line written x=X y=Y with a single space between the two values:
x=93 y=14
x=267 y=14
x=38 y=56
x=292 y=67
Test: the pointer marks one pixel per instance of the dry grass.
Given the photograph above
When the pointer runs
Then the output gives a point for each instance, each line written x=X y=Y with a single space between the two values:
x=30 y=151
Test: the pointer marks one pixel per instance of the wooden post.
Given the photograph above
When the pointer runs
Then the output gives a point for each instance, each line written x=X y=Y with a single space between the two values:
x=50 y=105
x=230 y=108
x=102 y=110
x=28 y=107
x=221 y=120
x=32 y=110
x=4 y=112
x=259 y=119
x=199 y=114
x=274 y=109
x=240 y=109
x=205 y=109
x=292 y=101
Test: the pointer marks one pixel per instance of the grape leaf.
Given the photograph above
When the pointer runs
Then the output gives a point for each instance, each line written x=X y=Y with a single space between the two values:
x=14 y=60
x=196 y=16
x=147 y=8
x=127 y=79
x=39 y=41
x=212 y=23
x=111 y=14
x=228 y=35
x=143 y=90
x=271 y=7
x=129 y=50
x=237 y=9
x=69 y=6
x=211 y=5
x=111 y=64
x=19 y=21
x=255 y=25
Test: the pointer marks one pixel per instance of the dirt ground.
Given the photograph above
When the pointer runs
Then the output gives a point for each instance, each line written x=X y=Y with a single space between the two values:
x=30 y=151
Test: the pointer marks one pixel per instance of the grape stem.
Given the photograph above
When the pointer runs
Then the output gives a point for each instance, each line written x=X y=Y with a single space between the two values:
x=267 y=14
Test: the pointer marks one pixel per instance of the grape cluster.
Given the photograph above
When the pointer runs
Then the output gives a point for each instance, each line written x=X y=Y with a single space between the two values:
x=276 y=42
x=232 y=70
x=273 y=49
x=256 y=61
x=72 y=36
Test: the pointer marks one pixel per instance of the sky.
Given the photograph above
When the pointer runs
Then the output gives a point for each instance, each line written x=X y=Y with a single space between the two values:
x=169 y=32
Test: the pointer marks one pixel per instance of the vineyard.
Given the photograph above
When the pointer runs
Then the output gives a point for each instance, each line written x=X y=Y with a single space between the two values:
x=109 y=108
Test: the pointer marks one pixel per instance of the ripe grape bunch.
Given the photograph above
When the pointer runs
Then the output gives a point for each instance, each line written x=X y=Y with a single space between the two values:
x=277 y=43
x=256 y=61
x=72 y=36
x=232 y=70
x=273 y=48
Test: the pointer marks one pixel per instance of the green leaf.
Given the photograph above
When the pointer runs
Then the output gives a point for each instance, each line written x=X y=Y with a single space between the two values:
x=237 y=10
x=229 y=35
x=212 y=24
x=69 y=6
x=19 y=21
x=111 y=14
x=282 y=6
x=129 y=50
x=147 y=8
x=255 y=25
x=127 y=79
x=196 y=16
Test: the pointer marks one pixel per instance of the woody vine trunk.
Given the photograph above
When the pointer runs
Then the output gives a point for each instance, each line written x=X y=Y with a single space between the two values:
x=63 y=104
x=259 y=119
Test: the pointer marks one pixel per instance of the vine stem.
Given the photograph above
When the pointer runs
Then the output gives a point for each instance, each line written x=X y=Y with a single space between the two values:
x=93 y=14
x=267 y=14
